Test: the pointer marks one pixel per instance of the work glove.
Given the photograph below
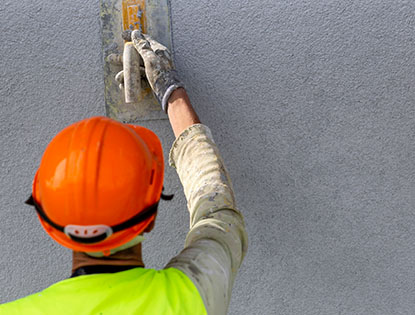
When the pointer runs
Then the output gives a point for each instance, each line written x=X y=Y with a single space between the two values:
x=158 y=66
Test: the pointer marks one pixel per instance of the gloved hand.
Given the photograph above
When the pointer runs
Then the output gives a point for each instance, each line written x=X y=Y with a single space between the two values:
x=158 y=66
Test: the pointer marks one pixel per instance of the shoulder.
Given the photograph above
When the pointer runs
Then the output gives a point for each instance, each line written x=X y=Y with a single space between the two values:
x=131 y=291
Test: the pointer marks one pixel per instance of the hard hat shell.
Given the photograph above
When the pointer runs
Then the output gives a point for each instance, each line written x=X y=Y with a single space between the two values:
x=99 y=172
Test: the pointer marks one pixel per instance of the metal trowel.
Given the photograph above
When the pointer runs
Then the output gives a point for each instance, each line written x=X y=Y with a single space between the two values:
x=136 y=102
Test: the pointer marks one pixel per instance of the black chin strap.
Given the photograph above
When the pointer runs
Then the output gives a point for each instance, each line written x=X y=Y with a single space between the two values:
x=32 y=202
x=139 y=217
x=143 y=215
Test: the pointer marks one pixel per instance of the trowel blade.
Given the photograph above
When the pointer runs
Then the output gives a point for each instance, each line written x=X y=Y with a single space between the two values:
x=155 y=21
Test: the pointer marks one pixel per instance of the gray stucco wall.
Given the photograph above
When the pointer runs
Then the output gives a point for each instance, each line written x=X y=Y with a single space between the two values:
x=312 y=106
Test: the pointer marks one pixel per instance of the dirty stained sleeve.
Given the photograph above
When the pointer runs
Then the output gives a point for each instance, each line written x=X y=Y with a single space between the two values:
x=217 y=240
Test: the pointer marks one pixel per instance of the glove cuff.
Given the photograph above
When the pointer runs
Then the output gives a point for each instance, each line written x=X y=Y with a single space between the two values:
x=167 y=94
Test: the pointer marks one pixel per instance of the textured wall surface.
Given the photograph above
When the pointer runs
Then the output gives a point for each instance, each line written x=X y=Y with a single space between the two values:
x=312 y=105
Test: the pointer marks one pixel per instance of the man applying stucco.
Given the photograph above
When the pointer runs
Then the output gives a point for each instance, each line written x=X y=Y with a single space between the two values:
x=97 y=190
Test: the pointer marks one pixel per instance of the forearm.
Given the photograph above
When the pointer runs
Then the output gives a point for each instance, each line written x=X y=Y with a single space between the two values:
x=180 y=111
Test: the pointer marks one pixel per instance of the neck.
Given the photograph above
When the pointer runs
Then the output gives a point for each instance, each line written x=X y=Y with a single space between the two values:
x=128 y=257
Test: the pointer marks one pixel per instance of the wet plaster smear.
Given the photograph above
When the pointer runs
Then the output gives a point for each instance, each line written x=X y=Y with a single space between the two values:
x=312 y=106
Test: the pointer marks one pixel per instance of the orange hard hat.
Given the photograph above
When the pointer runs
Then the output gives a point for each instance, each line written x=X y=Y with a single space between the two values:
x=98 y=184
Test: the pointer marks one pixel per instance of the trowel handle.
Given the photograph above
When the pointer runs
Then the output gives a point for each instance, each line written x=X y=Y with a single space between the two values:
x=132 y=77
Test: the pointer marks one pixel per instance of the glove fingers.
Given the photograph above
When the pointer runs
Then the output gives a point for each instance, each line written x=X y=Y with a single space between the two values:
x=159 y=49
x=155 y=45
x=149 y=48
x=149 y=56
x=137 y=34
x=140 y=43
x=144 y=49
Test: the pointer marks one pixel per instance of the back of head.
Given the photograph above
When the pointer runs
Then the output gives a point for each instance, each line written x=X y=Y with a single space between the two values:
x=98 y=184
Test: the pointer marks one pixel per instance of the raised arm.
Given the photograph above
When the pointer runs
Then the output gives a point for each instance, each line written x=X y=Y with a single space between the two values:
x=217 y=240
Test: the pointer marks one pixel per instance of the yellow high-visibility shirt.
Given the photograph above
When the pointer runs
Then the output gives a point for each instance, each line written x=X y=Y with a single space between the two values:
x=135 y=291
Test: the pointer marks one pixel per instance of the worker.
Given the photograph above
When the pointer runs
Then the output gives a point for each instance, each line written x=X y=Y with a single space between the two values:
x=97 y=191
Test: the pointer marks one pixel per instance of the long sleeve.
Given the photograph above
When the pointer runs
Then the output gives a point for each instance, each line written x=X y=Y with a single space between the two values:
x=217 y=240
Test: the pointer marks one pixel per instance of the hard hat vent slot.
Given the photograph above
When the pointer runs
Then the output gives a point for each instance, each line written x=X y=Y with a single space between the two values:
x=152 y=177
